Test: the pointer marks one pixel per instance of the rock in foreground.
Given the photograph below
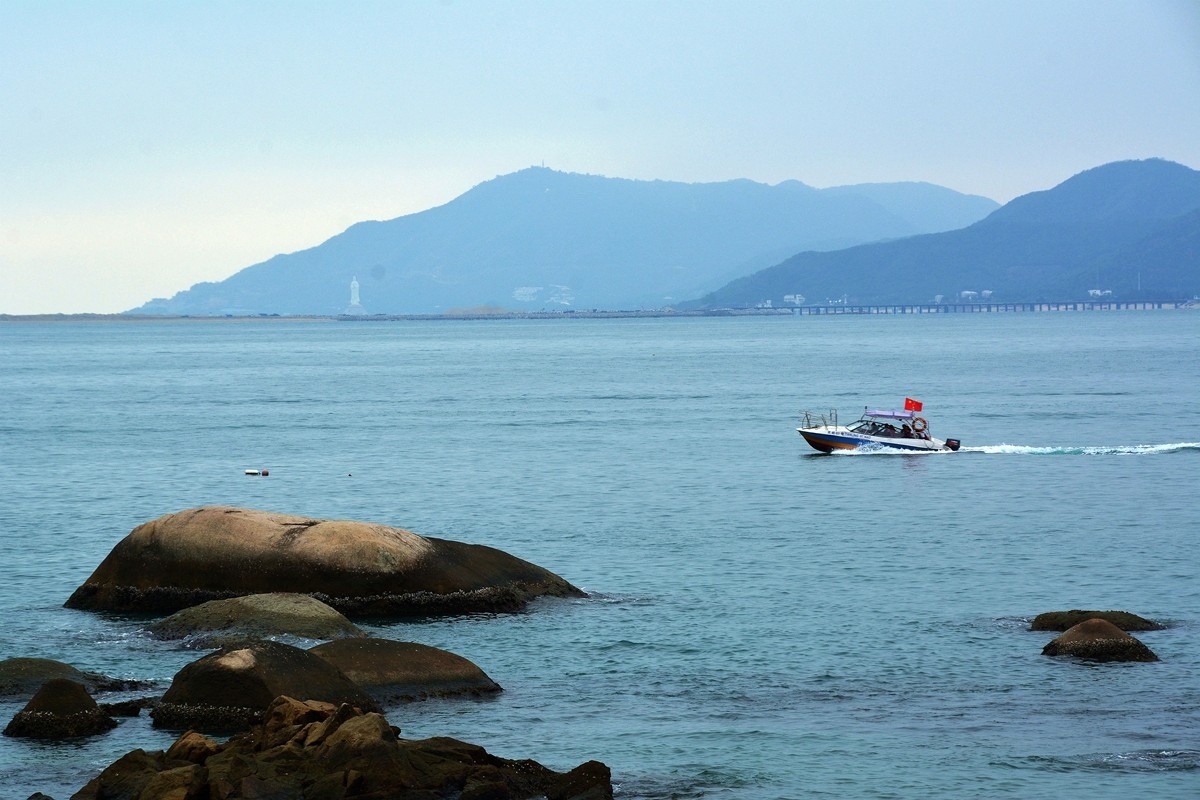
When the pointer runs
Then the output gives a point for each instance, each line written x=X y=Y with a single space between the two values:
x=1063 y=620
x=1099 y=640
x=405 y=670
x=218 y=623
x=360 y=569
x=231 y=688
x=61 y=709
x=310 y=750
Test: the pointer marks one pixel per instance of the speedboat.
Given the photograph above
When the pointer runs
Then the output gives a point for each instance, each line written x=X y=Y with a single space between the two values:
x=885 y=430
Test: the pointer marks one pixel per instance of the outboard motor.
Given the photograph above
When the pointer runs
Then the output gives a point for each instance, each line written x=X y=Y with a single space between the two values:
x=953 y=444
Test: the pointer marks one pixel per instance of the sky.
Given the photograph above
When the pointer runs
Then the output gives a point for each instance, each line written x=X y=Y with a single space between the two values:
x=148 y=146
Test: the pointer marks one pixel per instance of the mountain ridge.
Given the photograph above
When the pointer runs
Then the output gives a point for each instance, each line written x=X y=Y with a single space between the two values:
x=1089 y=232
x=540 y=238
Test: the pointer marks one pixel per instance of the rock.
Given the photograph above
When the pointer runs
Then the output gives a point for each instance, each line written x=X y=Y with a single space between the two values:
x=591 y=780
x=360 y=569
x=308 y=749
x=128 y=708
x=193 y=748
x=22 y=677
x=229 y=689
x=1099 y=640
x=1062 y=620
x=405 y=670
x=236 y=620
x=128 y=776
x=61 y=709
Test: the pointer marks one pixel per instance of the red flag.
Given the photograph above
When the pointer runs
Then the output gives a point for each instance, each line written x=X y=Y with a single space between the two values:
x=912 y=405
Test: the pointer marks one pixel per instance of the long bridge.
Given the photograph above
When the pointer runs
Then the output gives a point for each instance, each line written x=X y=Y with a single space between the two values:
x=994 y=308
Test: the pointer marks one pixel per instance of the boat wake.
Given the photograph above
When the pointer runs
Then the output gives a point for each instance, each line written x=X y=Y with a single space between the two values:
x=1024 y=450
x=1122 y=450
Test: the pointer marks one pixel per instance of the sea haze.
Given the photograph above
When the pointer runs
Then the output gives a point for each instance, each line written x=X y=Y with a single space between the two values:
x=763 y=621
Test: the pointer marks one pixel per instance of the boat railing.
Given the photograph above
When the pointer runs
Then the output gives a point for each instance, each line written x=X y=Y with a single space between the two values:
x=817 y=419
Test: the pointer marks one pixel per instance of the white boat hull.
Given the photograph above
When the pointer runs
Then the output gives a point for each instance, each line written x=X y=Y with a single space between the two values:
x=828 y=438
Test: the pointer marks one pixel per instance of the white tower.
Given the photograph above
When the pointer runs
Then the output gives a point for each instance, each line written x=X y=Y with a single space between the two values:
x=355 y=308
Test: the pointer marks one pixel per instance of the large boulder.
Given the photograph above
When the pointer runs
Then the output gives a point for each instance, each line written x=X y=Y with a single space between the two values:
x=405 y=670
x=62 y=708
x=1099 y=640
x=319 y=750
x=211 y=553
x=231 y=688
x=218 y=623
x=22 y=677
x=1062 y=620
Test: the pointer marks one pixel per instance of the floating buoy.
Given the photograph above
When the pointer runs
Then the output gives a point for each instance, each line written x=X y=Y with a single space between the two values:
x=263 y=472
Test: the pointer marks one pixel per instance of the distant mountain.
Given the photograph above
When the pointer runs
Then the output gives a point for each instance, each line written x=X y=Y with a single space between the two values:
x=545 y=239
x=1130 y=227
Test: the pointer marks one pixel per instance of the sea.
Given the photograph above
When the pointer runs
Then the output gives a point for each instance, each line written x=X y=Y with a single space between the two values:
x=761 y=621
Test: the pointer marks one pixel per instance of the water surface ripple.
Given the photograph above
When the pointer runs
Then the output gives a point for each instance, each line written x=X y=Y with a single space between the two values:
x=763 y=621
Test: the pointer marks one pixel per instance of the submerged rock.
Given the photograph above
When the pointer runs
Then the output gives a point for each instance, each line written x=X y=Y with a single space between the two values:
x=21 y=677
x=211 y=553
x=405 y=670
x=1062 y=620
x=1099 y=640
x=231 y=688
x=218 y=623
x=61 y=709
x=320 y=750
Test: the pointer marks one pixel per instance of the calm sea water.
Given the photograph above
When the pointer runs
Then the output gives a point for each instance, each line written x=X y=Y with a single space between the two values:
x=763 y=621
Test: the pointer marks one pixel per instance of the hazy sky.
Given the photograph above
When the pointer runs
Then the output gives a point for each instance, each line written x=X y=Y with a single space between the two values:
x=146 y=146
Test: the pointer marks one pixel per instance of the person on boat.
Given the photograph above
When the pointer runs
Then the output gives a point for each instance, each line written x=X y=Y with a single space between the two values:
x=906 y=432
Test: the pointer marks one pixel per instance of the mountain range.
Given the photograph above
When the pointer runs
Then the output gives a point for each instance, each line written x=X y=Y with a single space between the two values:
x=539 y=238
x=1126 y=230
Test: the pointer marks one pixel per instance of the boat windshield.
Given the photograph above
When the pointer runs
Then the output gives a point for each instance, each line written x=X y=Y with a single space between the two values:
x=869 y=427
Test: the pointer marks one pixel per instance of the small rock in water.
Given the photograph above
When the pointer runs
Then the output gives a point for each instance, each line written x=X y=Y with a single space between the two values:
x=1062 y=620
x=405 y=670
x=231 y=688
x=1099 y=640
x=219 y=623
x=22 y=677
x=61 y=709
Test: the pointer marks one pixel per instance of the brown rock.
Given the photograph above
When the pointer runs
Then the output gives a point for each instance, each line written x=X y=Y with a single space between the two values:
x=212 y=553
x=193 y=748
x=591 y=780
x=405 y=670
x=61 y=709
x=235 y=620
x=232 y=687
x=125 y=778
x=1099 y=640
x=1062 y=620
x=315 y=750
x=128 y=708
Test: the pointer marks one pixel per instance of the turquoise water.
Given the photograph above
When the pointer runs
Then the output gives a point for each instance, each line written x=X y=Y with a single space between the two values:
x=763 y=622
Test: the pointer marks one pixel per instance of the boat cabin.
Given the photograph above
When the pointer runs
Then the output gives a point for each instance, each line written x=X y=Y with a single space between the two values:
x=890 y=425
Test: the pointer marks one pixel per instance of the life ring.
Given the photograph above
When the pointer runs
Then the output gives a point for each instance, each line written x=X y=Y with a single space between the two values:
x=919 y=425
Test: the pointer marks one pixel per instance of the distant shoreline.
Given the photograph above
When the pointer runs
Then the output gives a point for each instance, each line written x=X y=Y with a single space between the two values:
x=805 y=311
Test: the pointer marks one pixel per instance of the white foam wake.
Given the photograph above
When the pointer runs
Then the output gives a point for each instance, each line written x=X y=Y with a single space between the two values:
x=1121 y=450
